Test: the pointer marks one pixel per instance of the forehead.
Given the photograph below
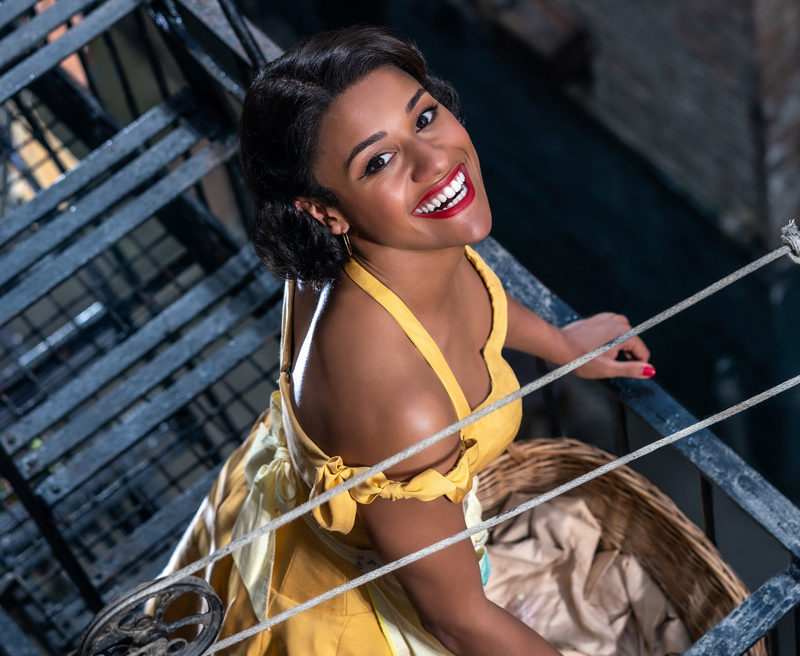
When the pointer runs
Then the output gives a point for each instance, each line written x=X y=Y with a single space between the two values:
x=374 y=103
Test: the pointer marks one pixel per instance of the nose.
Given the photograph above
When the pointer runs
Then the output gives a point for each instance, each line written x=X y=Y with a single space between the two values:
x=429 y=161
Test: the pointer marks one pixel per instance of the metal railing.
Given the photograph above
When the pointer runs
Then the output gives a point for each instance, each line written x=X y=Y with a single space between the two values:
x=138 y=342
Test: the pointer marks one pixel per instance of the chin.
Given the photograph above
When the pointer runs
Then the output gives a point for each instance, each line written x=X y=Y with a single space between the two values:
x=480 y=227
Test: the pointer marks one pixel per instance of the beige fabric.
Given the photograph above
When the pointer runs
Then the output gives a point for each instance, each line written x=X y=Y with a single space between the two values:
x=546 y=570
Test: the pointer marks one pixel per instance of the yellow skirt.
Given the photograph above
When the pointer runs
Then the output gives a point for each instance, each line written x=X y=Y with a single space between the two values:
x=304 y=568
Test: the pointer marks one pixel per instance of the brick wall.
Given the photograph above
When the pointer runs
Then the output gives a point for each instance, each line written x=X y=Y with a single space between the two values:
x=709 y=90
x=778 y=47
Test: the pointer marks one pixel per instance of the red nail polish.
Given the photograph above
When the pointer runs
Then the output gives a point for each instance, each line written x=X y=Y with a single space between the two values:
x=648 y=371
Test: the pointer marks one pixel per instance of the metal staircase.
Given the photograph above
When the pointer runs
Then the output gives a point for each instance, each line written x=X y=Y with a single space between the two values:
x=132 y=321
x=138 y=335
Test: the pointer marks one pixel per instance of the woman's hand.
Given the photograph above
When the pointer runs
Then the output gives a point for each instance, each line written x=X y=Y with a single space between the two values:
x=629 y=359
x=529 y=333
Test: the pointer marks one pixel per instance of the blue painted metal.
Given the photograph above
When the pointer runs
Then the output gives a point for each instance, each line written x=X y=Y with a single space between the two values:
x=748 y=489
x=14 y=642
x=170 y=520
x=124 y=395
x=745 y=625
x=11 y=9
x=99 y=199
x=185 y=309
x=48 y=273
x=111 y=444
x=35 y=30
x=93 y=165
x=50 y=55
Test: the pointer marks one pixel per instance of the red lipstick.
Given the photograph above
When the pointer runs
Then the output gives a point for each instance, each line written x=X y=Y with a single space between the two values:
x=447 y=198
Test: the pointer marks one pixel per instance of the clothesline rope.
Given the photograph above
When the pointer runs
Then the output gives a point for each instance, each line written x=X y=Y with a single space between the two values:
x=494 y=521
x=789 y=235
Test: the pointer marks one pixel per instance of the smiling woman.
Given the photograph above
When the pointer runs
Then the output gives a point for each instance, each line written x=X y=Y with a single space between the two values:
x=370 y=192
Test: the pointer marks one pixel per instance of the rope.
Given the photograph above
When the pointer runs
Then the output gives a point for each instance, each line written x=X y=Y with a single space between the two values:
x=489 y=523
x=790 y=235
x=791 y=238
x=531 y=387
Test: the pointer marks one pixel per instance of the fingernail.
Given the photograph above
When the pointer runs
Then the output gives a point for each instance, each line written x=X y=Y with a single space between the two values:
x=648 y=371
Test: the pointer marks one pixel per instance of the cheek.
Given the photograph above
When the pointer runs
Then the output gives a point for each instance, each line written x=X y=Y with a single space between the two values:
x=375 y=207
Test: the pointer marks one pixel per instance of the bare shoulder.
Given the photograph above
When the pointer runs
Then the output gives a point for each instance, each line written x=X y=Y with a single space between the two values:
x=370 y=391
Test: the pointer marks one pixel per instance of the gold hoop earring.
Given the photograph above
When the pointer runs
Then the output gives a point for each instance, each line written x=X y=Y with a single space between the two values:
x=348 y=247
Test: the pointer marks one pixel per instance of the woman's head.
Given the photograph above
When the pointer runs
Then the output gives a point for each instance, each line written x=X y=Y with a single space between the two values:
x=278 y=139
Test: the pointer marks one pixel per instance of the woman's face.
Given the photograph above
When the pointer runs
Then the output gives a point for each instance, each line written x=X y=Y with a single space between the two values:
x=403 y=168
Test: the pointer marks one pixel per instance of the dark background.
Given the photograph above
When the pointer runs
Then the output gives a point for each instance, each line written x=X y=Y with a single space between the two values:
x=600 y=225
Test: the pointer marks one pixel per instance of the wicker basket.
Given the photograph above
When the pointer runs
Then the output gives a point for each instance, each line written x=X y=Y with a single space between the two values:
x=636 y=518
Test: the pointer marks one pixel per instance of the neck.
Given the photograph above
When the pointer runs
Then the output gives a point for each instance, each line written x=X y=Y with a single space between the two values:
x=422 y=279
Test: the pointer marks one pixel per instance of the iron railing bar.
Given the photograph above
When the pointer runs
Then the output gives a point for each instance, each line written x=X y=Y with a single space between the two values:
x=14 y=638
x=125 y=394
x=622 y=436
x=90 y=167
x=190 y=305
x=748 y=489
x=41 y=514
x=33 y=248
x=36 y=30
x=80 y=111
x=127 y=92
x=171 y=519
x=112 y=443
x=11 y=9
x=198 y=53
x=94 y=89
x=707 y=505
x=56 y=269
x=243 y=33
x=753 y=618
x=209 y=14
x=54 y=52
x=549 y=396
x=37 y=131
x=149 y=49
x=732 y=475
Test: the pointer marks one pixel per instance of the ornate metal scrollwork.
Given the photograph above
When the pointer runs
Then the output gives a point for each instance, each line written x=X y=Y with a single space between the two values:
x=134 y=623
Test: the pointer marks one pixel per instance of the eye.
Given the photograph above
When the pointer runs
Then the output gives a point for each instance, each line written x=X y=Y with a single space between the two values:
x=427 y=117
x=377 y=163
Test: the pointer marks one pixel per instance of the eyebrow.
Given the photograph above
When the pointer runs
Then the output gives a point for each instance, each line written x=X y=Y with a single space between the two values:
x=414 y=100
x=362 y=145
x=380 y=135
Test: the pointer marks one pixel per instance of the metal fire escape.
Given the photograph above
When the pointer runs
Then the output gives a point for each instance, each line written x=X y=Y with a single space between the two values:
x=138 y=335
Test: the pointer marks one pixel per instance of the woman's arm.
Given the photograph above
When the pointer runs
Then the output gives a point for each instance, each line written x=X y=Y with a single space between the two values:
x=445 y=587
x=529 y=333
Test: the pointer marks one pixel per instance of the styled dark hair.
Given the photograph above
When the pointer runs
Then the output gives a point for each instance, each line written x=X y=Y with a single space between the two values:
x=278 y=138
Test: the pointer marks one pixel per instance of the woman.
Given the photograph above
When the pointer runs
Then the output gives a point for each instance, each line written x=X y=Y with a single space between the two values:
x=369 y=191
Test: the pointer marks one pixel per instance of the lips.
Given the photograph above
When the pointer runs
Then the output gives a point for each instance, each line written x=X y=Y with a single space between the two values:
x=448 y=197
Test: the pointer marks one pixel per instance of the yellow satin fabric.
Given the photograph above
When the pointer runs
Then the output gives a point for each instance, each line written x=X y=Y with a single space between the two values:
x=259 y=481
x=481 y=442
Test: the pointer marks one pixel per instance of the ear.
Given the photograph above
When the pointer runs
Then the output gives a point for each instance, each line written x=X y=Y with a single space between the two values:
x=327 y=216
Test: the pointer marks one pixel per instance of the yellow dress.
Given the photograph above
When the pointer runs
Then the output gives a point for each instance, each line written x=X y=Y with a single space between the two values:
x=279 y=467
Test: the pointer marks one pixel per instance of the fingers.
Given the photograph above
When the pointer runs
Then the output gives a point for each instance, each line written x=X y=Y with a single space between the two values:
x=635 y=349
x=634 y=369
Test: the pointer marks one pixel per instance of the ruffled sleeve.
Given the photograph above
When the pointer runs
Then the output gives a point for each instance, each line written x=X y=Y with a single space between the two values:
x=339 y=513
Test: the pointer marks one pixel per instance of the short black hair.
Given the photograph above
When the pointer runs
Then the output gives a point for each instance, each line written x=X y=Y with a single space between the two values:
x=278 y=138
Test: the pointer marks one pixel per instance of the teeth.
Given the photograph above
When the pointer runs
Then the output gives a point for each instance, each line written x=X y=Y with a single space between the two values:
x=450 y=195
